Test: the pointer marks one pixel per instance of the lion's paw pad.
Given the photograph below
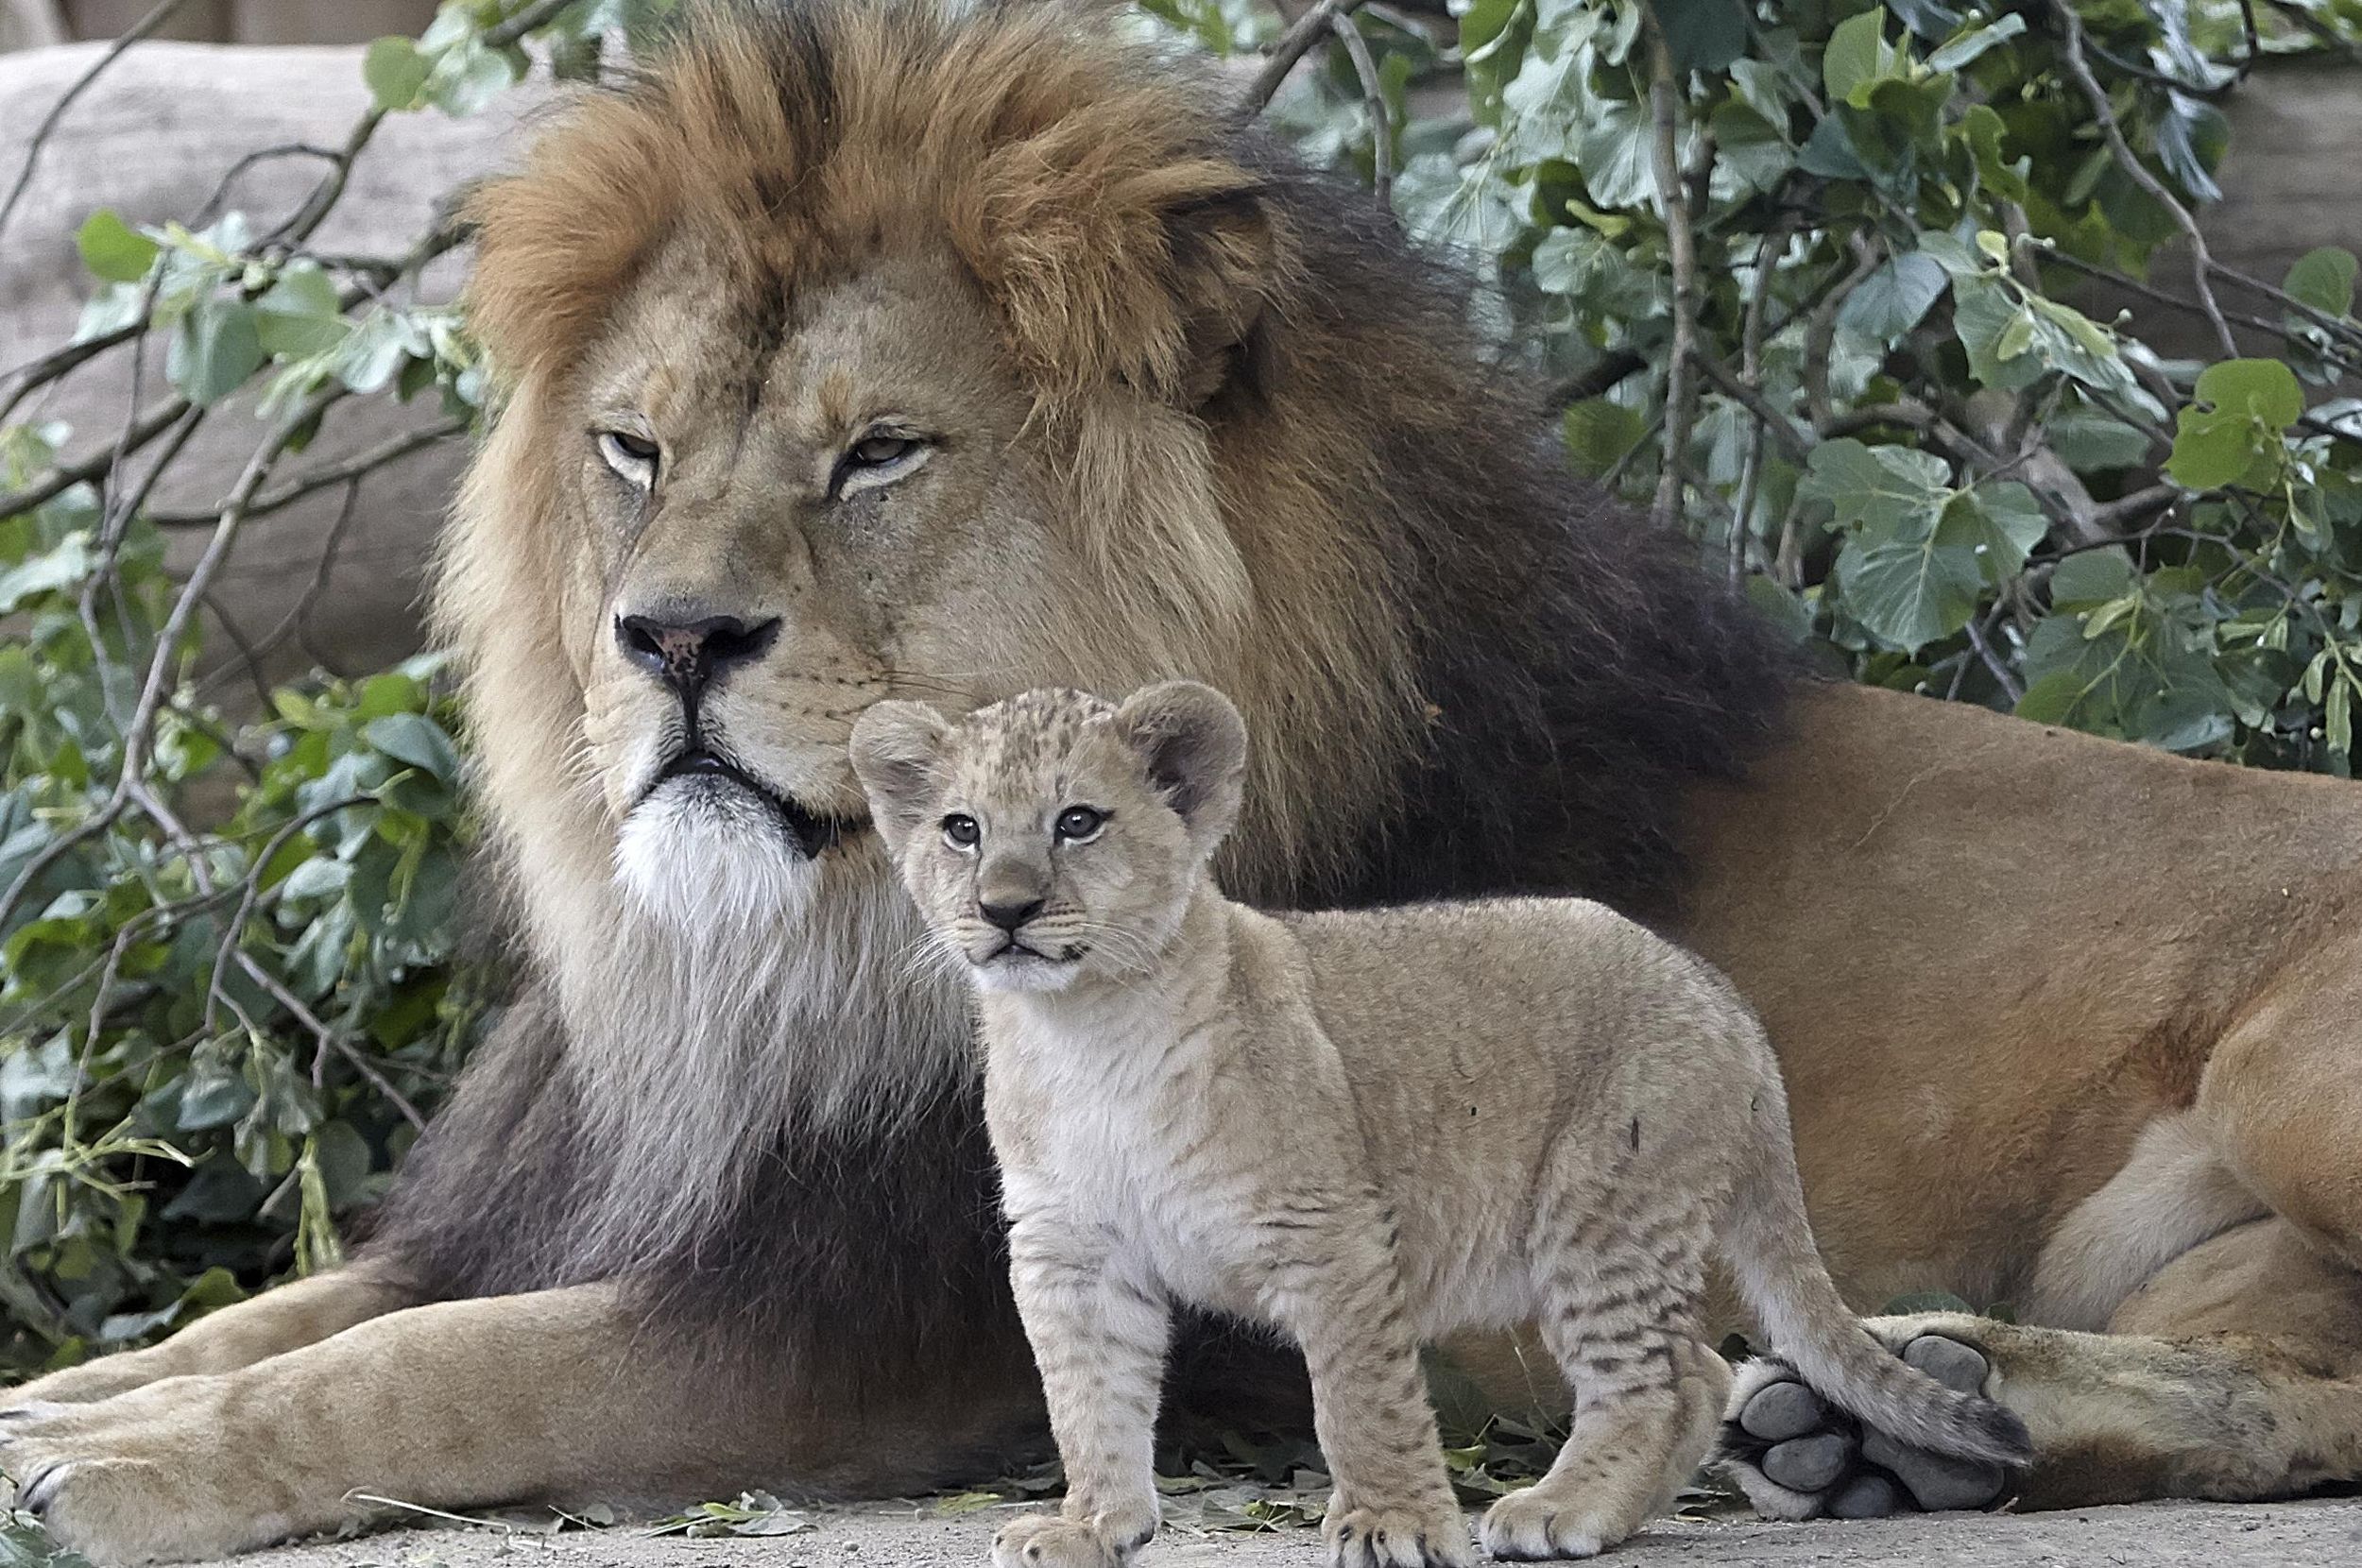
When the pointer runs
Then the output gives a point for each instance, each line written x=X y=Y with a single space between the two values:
x=1797 y=1457
x=1399 y=1538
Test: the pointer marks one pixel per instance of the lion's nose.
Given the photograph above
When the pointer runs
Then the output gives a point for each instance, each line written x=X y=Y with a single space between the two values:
x=689 y=652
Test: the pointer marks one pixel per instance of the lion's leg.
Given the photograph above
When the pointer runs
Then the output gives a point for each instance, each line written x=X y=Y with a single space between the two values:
x=2233 y=1364
x=277 y=1320
x=561 y=1395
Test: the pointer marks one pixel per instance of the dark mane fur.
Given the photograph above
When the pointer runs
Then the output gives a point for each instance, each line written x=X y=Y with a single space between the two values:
x=1582 y=676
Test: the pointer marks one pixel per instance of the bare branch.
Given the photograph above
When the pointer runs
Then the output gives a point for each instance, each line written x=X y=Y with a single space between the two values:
x=356 y=467
x=1293 y=47
x=2201 y=262
x=138 y=733
x=1381 y=118
x=1680 y=395
x=156 y=16
x=539 y=14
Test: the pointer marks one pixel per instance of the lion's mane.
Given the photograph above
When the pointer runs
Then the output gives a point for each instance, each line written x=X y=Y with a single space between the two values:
x=1469 y=672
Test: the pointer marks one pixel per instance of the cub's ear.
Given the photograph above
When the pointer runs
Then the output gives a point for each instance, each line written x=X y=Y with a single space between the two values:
x=1193 y=743
x=897 y=756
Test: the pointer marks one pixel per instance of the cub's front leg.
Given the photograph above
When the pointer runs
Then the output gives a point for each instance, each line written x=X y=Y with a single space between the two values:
x=1099 y=1330
x=1335 y=1285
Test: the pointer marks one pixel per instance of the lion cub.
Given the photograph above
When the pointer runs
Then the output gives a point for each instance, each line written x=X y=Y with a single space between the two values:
x=1362 y=1129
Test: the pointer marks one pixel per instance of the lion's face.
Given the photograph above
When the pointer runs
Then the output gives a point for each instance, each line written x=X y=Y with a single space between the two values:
x=778 y=522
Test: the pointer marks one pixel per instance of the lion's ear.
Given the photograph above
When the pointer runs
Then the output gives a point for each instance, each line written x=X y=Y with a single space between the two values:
x=897 y=756
x=1112 y=259
x=1194 y=744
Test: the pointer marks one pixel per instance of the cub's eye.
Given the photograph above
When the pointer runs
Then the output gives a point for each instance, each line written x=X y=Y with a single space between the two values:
x=633 y=457
x=960 y=831
x=1080 y=824
x=878 y=458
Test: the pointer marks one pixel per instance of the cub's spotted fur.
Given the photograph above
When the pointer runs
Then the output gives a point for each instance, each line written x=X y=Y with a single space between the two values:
x=1300 y=1120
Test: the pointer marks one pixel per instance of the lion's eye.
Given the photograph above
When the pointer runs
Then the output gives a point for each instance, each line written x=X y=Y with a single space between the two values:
x=633 y=457
x=1080 y=824
x=876 y=451
x=878 y=458
x=960 y=831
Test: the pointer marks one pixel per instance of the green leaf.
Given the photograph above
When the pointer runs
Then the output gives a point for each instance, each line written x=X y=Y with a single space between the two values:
x=214 y=348
x=2001 y=522
x=417 y=740
x=2092 y=577
x=396 y=73
x=112 y=250
x=2323 y=278
x=297 y=317
x=63 y=565
x=1885 y=487
x=1856 y=57
x=1911 y=592
x=1970 y=45
x=1704 y=35
x=1601 y=432
x=2232 y=434
x=1894 y=298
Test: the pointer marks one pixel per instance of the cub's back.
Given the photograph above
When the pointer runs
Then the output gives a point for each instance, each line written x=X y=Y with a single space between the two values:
x=1554 y=991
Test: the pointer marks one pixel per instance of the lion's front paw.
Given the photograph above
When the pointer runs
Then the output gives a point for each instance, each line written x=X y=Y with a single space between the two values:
x=1796 y=1458
x=1398 y=1537
x=1050 y=1541
x=140 y=1479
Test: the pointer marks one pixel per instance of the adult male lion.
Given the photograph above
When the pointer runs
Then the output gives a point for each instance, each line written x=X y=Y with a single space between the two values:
x=868 y=348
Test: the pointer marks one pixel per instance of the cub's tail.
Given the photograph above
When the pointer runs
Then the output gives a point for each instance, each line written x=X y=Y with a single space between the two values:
x=1781 y=1277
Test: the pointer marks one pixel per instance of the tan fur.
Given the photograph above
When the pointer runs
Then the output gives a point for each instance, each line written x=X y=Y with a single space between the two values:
x=1991 y=954
x=1493 y=1111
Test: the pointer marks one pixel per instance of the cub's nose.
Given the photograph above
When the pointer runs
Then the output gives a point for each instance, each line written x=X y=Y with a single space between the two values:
x=689 y=651
x=1009 y=917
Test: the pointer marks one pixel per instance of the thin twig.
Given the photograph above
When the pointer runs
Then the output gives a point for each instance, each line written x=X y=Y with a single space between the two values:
x=1382 y=117
x=356 y=467
x=540 y=14
x=156 y=16
x=1293 y=47
x=1751 y=371
x=138 y=737
x=159 y=418
x=1680 y=395
x=2201 y=262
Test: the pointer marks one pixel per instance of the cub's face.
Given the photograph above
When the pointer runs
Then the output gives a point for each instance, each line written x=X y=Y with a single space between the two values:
x=1055 y=836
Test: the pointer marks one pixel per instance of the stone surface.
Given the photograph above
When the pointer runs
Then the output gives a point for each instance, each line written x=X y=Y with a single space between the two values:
x=2155 y=1535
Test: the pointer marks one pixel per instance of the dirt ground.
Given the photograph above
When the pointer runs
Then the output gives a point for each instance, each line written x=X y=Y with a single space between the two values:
x=2156 y=1535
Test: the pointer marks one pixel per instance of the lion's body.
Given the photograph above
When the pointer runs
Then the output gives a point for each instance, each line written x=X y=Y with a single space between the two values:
x=1043 y=278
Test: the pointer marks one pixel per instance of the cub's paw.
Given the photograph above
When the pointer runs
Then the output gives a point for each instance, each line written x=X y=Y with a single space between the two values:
x=1401 y=1537
x=1798 y=1457
x=1050 y=1541
x=1543 y=1522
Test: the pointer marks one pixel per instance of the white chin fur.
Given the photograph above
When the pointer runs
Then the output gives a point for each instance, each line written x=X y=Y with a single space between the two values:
x=697 y=852
x=1027 y=973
